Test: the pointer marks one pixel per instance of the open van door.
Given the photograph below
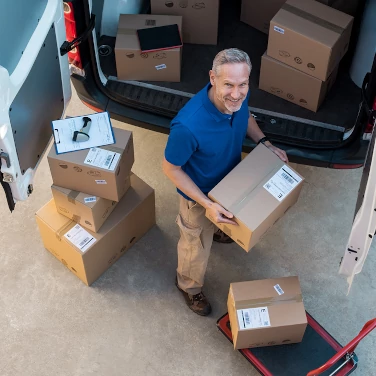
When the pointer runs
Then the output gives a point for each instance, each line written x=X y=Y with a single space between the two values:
x=34 y=88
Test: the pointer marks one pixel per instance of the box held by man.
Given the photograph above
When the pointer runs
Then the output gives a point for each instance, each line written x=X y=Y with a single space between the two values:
x=258 y=191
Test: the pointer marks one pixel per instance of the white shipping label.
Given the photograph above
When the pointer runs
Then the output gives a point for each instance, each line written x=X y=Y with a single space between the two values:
x=80 y=238
x=101 y=181
x=90 y=199
x=102 y=158
x=161 y=66
x=253 y=318
x=279 y=30
x=282 y=182
x=278 y=289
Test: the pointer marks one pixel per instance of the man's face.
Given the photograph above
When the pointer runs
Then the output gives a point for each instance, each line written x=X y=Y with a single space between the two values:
x=231 y=85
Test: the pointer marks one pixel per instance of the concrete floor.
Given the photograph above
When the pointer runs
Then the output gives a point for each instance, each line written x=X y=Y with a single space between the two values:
x=133 y=321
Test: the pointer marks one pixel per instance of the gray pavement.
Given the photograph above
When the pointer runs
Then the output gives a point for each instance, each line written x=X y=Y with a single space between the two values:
x=133 y=321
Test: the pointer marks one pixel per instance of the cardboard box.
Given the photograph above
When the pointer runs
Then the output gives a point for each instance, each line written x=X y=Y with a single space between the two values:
x=87 y=210
x=258 y=13
x=310 y=37
x=131 y=64
x=268 y=312
x=88 y=255
x=81 y=171
x=293 y=85
x=200 y=18
x=258 y=191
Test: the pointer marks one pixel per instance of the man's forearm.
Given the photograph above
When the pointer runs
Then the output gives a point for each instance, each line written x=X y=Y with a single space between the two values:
x=253 y=131
x=182 y=181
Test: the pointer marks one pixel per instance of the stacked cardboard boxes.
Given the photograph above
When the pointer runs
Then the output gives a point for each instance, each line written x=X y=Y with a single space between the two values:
x=307 y=40
x=99 y=207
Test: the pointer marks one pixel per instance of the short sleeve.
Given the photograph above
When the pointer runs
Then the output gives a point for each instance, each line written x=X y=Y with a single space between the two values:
x=180 y=145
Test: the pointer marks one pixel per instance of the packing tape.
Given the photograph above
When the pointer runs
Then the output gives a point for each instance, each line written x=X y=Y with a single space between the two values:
x=64 y=229
x=243 y=199
x=115 y=149
x=315 y=19
x=72 y=195
x=76 y=218
x=254 y=303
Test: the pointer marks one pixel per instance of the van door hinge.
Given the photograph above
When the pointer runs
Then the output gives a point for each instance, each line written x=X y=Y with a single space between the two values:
x=68 y=46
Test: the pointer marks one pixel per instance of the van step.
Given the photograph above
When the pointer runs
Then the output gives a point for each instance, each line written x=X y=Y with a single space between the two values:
x=278 y=127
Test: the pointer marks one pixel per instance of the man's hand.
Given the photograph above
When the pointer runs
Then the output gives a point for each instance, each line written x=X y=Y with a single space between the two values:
x=220 y=215
x=279 y=152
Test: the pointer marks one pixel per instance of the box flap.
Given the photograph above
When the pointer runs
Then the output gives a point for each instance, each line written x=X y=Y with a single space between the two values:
x=277 y=289
x=56 y=221
x=313 y=20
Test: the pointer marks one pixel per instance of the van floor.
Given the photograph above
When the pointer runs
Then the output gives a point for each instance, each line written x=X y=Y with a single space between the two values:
x=339 y=108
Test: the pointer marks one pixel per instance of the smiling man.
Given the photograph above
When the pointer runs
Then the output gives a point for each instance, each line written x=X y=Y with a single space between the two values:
x=204 y=145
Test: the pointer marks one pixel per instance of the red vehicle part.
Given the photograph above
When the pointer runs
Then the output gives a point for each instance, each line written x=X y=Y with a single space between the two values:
x=71 y=31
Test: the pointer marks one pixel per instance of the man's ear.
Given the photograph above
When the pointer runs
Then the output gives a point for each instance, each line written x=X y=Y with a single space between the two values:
x=212 y=77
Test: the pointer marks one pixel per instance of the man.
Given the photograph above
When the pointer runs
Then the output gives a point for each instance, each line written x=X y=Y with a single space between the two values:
x=204 y=145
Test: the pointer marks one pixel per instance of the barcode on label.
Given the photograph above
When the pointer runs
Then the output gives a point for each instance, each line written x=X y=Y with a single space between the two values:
x=150 y=22
x=108 y=160
x=84 y=242
x=290 y=180
x=278 y=289
x=246 y=318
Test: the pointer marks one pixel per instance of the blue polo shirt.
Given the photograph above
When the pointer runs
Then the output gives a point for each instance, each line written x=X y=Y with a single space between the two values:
x=205 y=142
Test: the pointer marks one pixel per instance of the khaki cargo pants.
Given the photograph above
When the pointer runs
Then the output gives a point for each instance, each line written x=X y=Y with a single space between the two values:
x=196 y=238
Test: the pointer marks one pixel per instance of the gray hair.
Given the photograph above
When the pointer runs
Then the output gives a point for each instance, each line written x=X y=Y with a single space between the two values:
x=231 y=56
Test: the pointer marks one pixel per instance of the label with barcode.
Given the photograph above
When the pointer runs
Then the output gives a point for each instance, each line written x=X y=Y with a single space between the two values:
x=90 y=199
x=253 y=318
x=150 y=22
x=80 y=238
x=282 y=182
x=101 y=181
x=279 y=289
x=279 y=30
x=160 y=66
x=102 y=158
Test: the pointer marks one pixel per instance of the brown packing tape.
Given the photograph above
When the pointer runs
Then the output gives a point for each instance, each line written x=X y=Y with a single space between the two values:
x=72 y=195
x=64 y=229
x=254 y=303
x=315 y=19
x=76 y=218
x=115 y=149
